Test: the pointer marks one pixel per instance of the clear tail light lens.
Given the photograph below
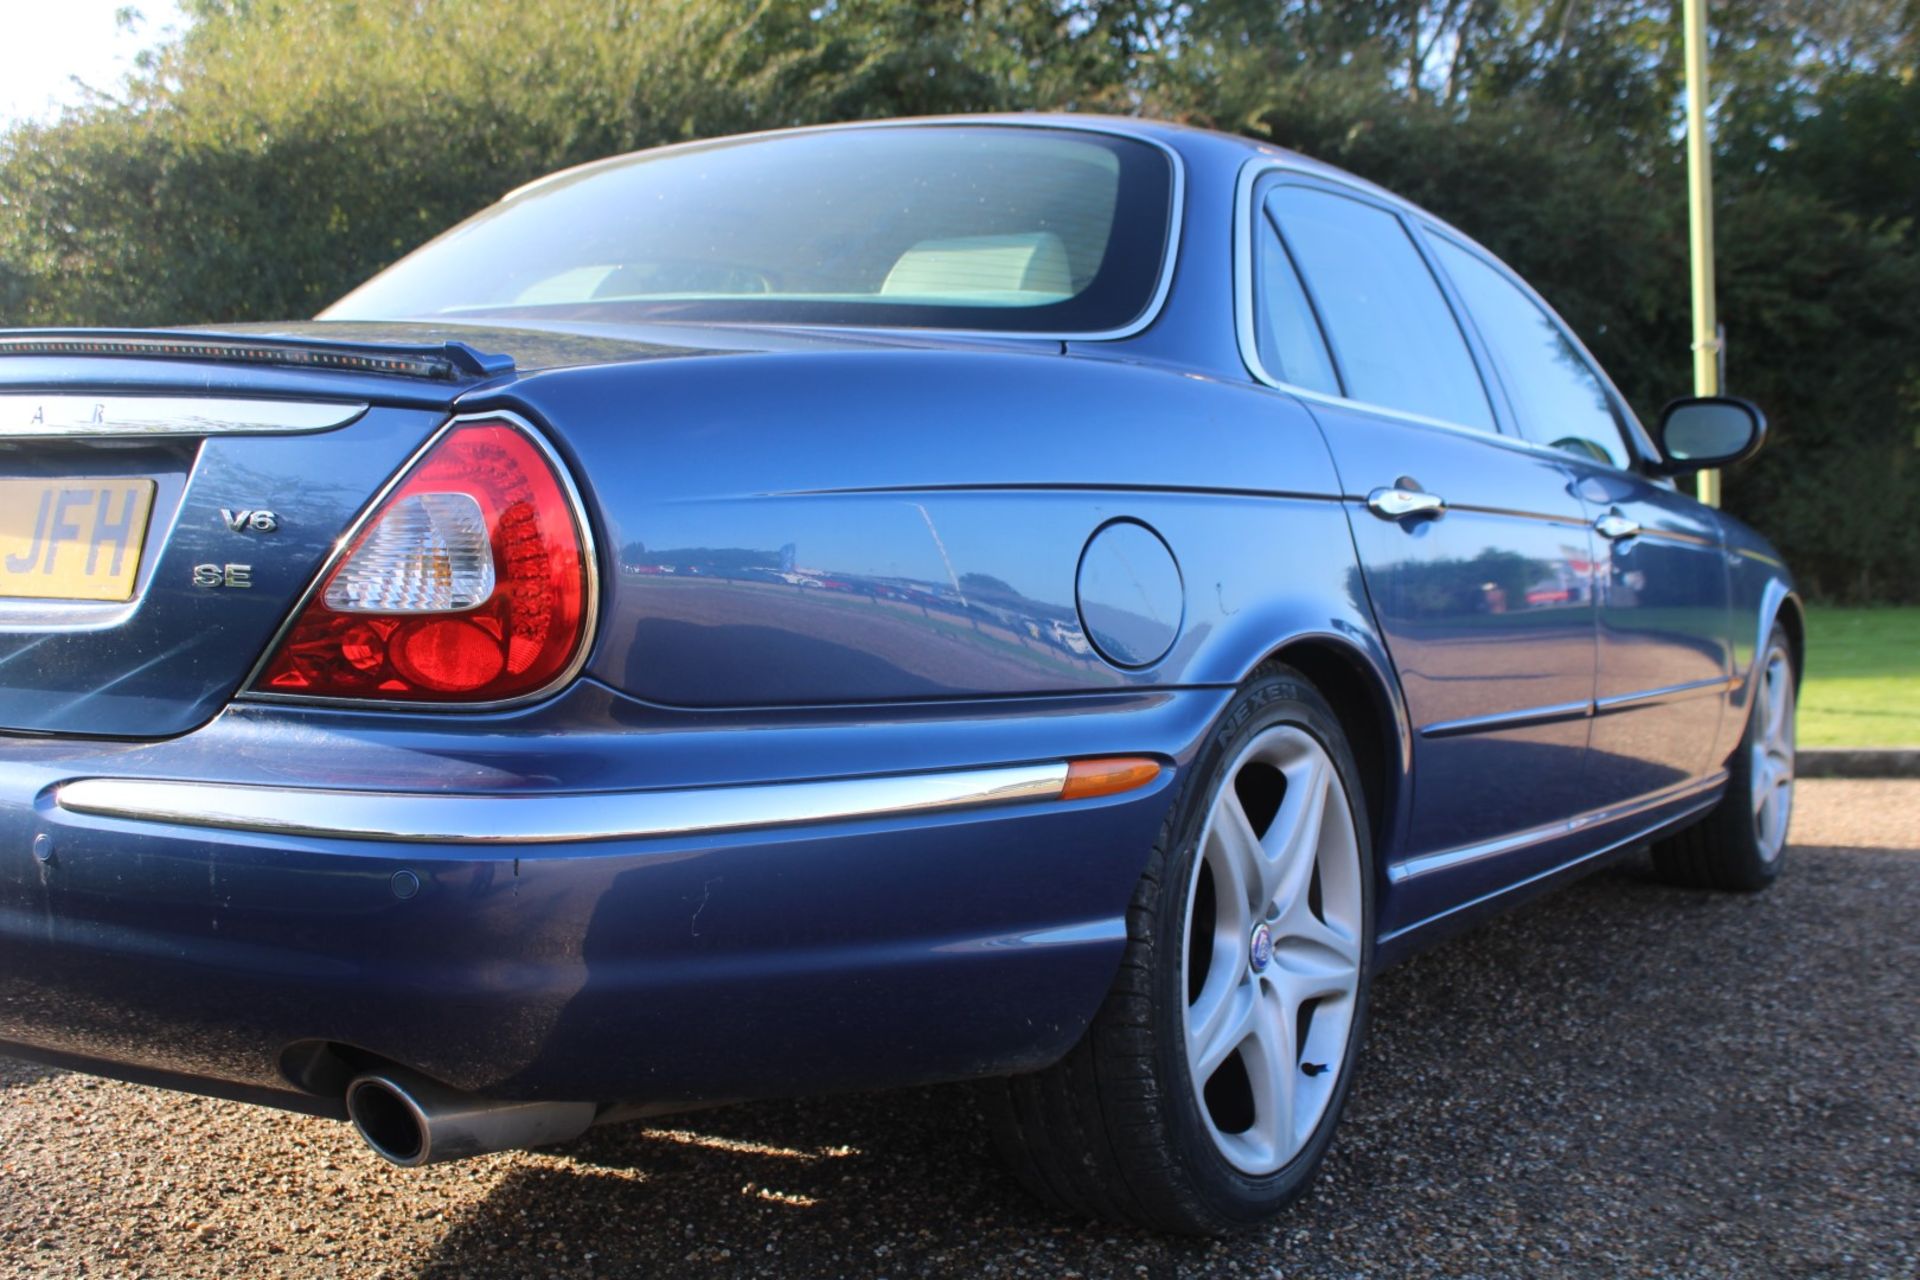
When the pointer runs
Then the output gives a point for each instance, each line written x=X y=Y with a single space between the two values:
x=467 y=584
x=430 y=553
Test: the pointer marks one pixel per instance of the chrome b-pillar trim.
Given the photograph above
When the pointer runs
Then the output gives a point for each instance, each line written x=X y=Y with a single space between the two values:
x=547 y=817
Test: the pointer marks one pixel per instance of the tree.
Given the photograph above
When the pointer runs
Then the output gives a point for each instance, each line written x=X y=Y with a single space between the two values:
x=283 y=150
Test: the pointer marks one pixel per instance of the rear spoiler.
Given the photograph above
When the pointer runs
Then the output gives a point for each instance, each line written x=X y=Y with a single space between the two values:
x=442 y=362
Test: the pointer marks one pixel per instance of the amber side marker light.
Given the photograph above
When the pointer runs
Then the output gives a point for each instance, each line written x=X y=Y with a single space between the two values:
x=1090 y=779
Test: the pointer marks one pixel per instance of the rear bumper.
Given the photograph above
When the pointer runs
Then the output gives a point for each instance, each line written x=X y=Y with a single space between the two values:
x=767 y=906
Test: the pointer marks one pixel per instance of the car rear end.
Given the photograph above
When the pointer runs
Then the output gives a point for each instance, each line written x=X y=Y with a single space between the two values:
x=301 y=782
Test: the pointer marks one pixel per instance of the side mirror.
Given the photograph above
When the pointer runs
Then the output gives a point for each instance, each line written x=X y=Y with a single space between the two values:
x=1709 y=431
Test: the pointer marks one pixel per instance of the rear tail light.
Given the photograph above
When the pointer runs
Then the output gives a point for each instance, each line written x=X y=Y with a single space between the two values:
x=468 y=583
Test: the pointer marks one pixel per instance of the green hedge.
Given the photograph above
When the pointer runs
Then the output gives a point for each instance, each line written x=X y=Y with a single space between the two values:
x=283 y=151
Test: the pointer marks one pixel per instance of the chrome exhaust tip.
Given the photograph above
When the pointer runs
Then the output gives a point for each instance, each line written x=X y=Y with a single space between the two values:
x=410 y=1120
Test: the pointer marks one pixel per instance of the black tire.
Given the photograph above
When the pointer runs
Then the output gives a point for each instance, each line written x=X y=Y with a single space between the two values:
x=1114 y=1130
x=1728 y=849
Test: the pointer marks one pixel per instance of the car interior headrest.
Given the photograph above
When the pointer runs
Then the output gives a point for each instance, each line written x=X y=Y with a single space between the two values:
x=1028 y=262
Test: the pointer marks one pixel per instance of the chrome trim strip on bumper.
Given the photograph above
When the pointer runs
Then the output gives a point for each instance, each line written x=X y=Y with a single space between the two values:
x=35 y=417
x=550 y=818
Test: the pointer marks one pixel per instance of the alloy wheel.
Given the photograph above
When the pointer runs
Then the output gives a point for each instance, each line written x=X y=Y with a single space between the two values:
x=1772 y=769
x=1273 y=948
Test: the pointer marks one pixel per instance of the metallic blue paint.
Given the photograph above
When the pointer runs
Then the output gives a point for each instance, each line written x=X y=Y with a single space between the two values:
x=1488 y=614
x=833 y=555
x=1130 y=596
x=590 y=971
x=1665 y=629
x=175 y=654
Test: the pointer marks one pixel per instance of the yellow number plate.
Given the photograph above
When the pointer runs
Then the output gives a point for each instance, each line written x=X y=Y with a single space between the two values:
x=72 y=539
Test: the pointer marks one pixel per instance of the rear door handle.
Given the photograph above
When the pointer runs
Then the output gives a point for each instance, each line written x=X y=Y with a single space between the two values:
x=1615 y=526
x=1399 y=503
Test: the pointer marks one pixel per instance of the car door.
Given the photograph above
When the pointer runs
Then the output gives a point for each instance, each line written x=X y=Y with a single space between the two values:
x=1474 y=548
x=1666 y=638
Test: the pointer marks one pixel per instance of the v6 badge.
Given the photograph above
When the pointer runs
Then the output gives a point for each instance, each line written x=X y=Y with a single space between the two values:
x=249 y=521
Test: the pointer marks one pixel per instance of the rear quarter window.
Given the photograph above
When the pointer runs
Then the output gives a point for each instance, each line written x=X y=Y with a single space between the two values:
x=1558 y=398
x=1393 y=335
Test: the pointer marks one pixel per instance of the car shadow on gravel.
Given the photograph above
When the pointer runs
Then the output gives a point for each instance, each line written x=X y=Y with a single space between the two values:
x=15 y=1072
x=900 y=1183
x=1621 y=1077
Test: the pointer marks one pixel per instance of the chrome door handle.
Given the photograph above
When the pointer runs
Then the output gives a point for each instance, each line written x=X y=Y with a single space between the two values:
x=1398 y=504
x=1615 y=526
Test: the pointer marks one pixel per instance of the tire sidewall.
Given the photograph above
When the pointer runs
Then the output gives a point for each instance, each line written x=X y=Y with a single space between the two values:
x=1277 y=696
x=1740 y=832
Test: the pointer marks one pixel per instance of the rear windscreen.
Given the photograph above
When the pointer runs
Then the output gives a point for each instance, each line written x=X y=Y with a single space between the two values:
x=1008 y=229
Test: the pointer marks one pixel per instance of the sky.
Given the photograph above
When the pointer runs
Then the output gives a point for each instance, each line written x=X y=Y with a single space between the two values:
x=48 y=42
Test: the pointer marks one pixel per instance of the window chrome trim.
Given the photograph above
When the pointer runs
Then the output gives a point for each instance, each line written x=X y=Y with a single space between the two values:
x=1244 y=333
x=1176 y=214
x=1243 y=323
x=550 y=818
x=39 y=417
x=589 y=563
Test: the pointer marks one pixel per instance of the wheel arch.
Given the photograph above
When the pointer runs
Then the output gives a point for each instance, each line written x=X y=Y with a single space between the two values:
x=1790 y=613
x=1366 y=702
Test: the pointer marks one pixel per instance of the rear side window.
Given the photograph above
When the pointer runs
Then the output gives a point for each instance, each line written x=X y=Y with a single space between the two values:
x=1393 y=334
x=1286 y=332
x=1558 y=397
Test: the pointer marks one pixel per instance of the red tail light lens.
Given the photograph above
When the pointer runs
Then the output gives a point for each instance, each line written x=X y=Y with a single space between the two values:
x=467 y=584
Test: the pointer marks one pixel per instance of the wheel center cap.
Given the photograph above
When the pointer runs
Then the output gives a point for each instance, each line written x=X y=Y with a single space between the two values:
x=1260 y=949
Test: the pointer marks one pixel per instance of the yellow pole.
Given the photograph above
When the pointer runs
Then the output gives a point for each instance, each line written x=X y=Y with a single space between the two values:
x=1706 y=335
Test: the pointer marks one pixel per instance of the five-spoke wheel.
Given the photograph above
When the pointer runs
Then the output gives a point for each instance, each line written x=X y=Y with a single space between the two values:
x=1205 y=1093
x=1272 y=956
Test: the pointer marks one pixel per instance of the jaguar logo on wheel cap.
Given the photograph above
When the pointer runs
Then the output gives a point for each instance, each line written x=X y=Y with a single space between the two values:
x=1261 y=948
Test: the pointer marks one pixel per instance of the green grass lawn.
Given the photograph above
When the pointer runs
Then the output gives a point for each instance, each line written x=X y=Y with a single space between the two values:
x=1863 y=678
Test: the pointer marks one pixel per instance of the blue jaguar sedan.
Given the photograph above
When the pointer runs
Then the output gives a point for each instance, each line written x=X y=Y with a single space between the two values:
x=1046 y=601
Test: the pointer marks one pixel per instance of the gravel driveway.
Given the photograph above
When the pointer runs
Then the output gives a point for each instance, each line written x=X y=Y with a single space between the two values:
x=1620 y=1080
